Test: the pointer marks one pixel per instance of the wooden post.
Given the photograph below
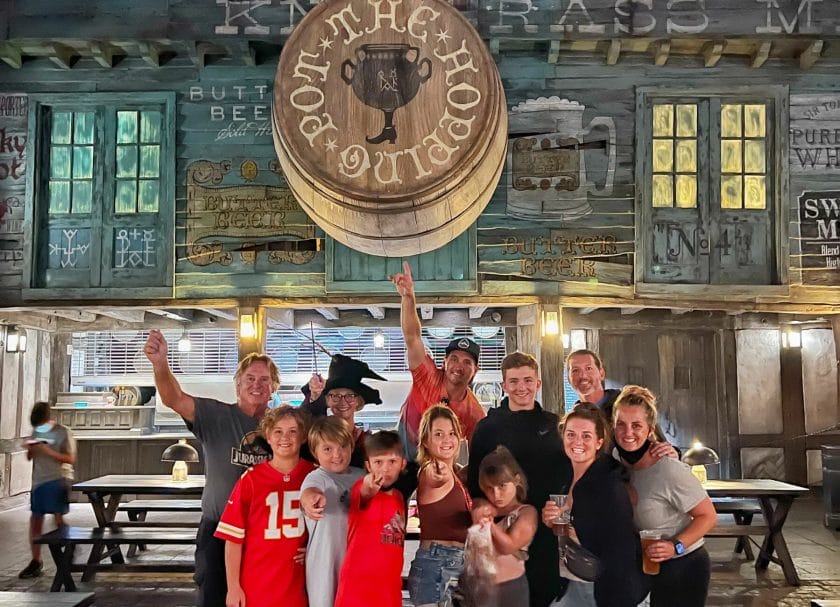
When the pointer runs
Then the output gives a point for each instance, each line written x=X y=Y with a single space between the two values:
x=59 y=368
x=793 y=414
x=551 y=364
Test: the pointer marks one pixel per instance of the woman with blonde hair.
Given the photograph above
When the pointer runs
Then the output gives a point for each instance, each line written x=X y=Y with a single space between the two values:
x=669 y=501
x=443 y=506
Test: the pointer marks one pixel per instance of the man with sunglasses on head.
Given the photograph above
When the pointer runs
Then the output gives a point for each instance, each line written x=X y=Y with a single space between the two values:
x=431 y=384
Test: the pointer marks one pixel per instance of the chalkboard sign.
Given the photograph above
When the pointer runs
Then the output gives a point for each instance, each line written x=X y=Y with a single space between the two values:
x=819 y=226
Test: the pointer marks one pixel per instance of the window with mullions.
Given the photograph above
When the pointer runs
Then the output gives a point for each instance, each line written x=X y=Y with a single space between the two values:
x=102 y=198
x=708 y=197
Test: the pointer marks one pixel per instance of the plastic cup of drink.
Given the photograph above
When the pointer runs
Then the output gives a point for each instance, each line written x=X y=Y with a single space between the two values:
x=648 y=537
x=560 y=524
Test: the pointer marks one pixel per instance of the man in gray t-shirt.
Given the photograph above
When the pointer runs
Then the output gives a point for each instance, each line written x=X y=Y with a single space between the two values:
x=230 y=444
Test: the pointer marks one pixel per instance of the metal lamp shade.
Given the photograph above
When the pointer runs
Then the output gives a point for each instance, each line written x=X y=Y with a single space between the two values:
x=700 y=456
x=180 y=452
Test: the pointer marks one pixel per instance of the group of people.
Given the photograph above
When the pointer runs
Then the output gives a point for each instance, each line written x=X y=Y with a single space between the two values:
x=302 y=507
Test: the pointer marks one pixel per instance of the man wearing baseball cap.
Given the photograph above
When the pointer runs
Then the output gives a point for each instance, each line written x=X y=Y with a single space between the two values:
x=430 y=384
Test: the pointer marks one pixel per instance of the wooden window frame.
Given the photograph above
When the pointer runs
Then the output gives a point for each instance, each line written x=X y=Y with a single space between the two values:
x=100 y=286
x=780 y=117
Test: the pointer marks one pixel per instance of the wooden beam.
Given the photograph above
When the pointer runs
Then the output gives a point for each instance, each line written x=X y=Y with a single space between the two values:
x=585 y=311
x=761 y=53
x=29 y=320
x=554 y=52
x=476 y=311
x=328 y=313
x=102 y=53
x=662 y=52
x=61 y=55
x=74 y=315
x=180 y=316
x=11 y=55
x=613 y=51
x=150 y=53
x=133 y=316
x=494 y=49
x=630 y=311
x=280 y=318
x=427 y=312
x=225 y=314
x=811 y=53
x=377 y=312
x=712 y=52
x=243 y=50
x=678 y=312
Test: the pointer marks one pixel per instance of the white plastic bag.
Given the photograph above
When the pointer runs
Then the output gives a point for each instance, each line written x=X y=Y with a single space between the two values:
x=478 y=582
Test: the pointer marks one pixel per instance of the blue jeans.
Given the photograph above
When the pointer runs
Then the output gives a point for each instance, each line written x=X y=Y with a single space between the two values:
x=578 y=594
x=434 y=574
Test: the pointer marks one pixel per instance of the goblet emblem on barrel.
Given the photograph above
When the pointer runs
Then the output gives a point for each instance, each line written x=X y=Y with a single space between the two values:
x=387 y=79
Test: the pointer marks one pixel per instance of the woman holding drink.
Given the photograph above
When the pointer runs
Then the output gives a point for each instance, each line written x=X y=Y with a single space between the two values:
x=672 y=509
x=601 y=515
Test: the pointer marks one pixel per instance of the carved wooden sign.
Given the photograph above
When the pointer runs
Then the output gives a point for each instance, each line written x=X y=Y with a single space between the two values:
x=819 y=229
x=222 y=218
x=390 y=122
x=13 y=115
x=815 y=134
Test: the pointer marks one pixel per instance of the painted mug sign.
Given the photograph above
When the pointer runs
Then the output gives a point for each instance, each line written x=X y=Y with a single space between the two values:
x=548 y=171
x=819 y=229
x=240 y=113
x=815 y=134
x=222 y=218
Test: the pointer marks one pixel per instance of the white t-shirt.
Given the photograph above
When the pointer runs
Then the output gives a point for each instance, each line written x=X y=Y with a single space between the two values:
x=328 y=537
x=667 y=491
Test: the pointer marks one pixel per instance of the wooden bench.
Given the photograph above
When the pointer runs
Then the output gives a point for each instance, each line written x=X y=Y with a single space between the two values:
x=137 y=510
x=62 y=543
x=742 y=510
x=46 y=599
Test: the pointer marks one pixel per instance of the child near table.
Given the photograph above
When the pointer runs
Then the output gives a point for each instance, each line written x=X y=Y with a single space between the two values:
x=53 y=452
x=262 y=524
x=325 y=497
x=372 y=570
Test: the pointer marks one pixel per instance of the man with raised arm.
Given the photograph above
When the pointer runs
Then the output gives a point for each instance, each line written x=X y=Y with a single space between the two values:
x=430 y=384
x=229 y=441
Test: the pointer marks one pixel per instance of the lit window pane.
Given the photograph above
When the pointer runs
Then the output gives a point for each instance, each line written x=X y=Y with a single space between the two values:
x=663 y=155
x=126 y=161
x=754 y=121
x=730 y=120
x=755 y=193
x=149 y=127
x=60 y=162
x=83 y=128
x=148 y=202
x=82 y=195
x=686 y=120
x=730 y=192
x=754 y=156
x=61 y=122
x=686 y=156
x=126 y=199
x=59 y=196
x=686 y=191
x=149 y=160
x=663 y=120
x=82 y=162
x=663 y=195
x=730 y=156
x=126 y=127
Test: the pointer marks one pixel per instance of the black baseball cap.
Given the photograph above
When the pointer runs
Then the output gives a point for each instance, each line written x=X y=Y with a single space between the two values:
x=464 y=344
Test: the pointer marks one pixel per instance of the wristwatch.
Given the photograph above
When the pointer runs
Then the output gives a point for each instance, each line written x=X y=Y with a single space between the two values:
x=679 y=547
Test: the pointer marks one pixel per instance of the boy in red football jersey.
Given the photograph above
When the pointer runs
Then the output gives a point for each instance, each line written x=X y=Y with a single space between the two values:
x=372 y=569
x=262 y=525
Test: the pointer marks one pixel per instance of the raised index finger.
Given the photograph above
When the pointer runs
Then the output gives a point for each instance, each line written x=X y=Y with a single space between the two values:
x=406 y=269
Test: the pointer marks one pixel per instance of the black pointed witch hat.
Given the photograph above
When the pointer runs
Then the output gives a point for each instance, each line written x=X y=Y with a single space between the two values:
x=347 y=372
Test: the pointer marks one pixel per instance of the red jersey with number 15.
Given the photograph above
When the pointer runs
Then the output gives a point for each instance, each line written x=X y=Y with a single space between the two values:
x=263 y=513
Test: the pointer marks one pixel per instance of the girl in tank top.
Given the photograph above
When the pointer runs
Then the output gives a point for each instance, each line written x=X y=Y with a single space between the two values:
x=512 y=523
x=443 y=506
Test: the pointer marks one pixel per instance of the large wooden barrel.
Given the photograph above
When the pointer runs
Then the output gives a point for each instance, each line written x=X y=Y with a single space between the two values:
x=390 y=122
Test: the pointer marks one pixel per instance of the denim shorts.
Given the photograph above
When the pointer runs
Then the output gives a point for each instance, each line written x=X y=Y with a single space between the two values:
x=50 y=497
x=434 y=574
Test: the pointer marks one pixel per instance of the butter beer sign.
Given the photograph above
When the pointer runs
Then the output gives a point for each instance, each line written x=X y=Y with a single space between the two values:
x=390 y=122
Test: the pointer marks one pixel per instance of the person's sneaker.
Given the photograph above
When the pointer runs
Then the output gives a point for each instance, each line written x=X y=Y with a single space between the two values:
x=33 y=569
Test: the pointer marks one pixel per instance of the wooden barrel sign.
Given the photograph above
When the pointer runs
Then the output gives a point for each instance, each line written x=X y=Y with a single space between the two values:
x=390 y=122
